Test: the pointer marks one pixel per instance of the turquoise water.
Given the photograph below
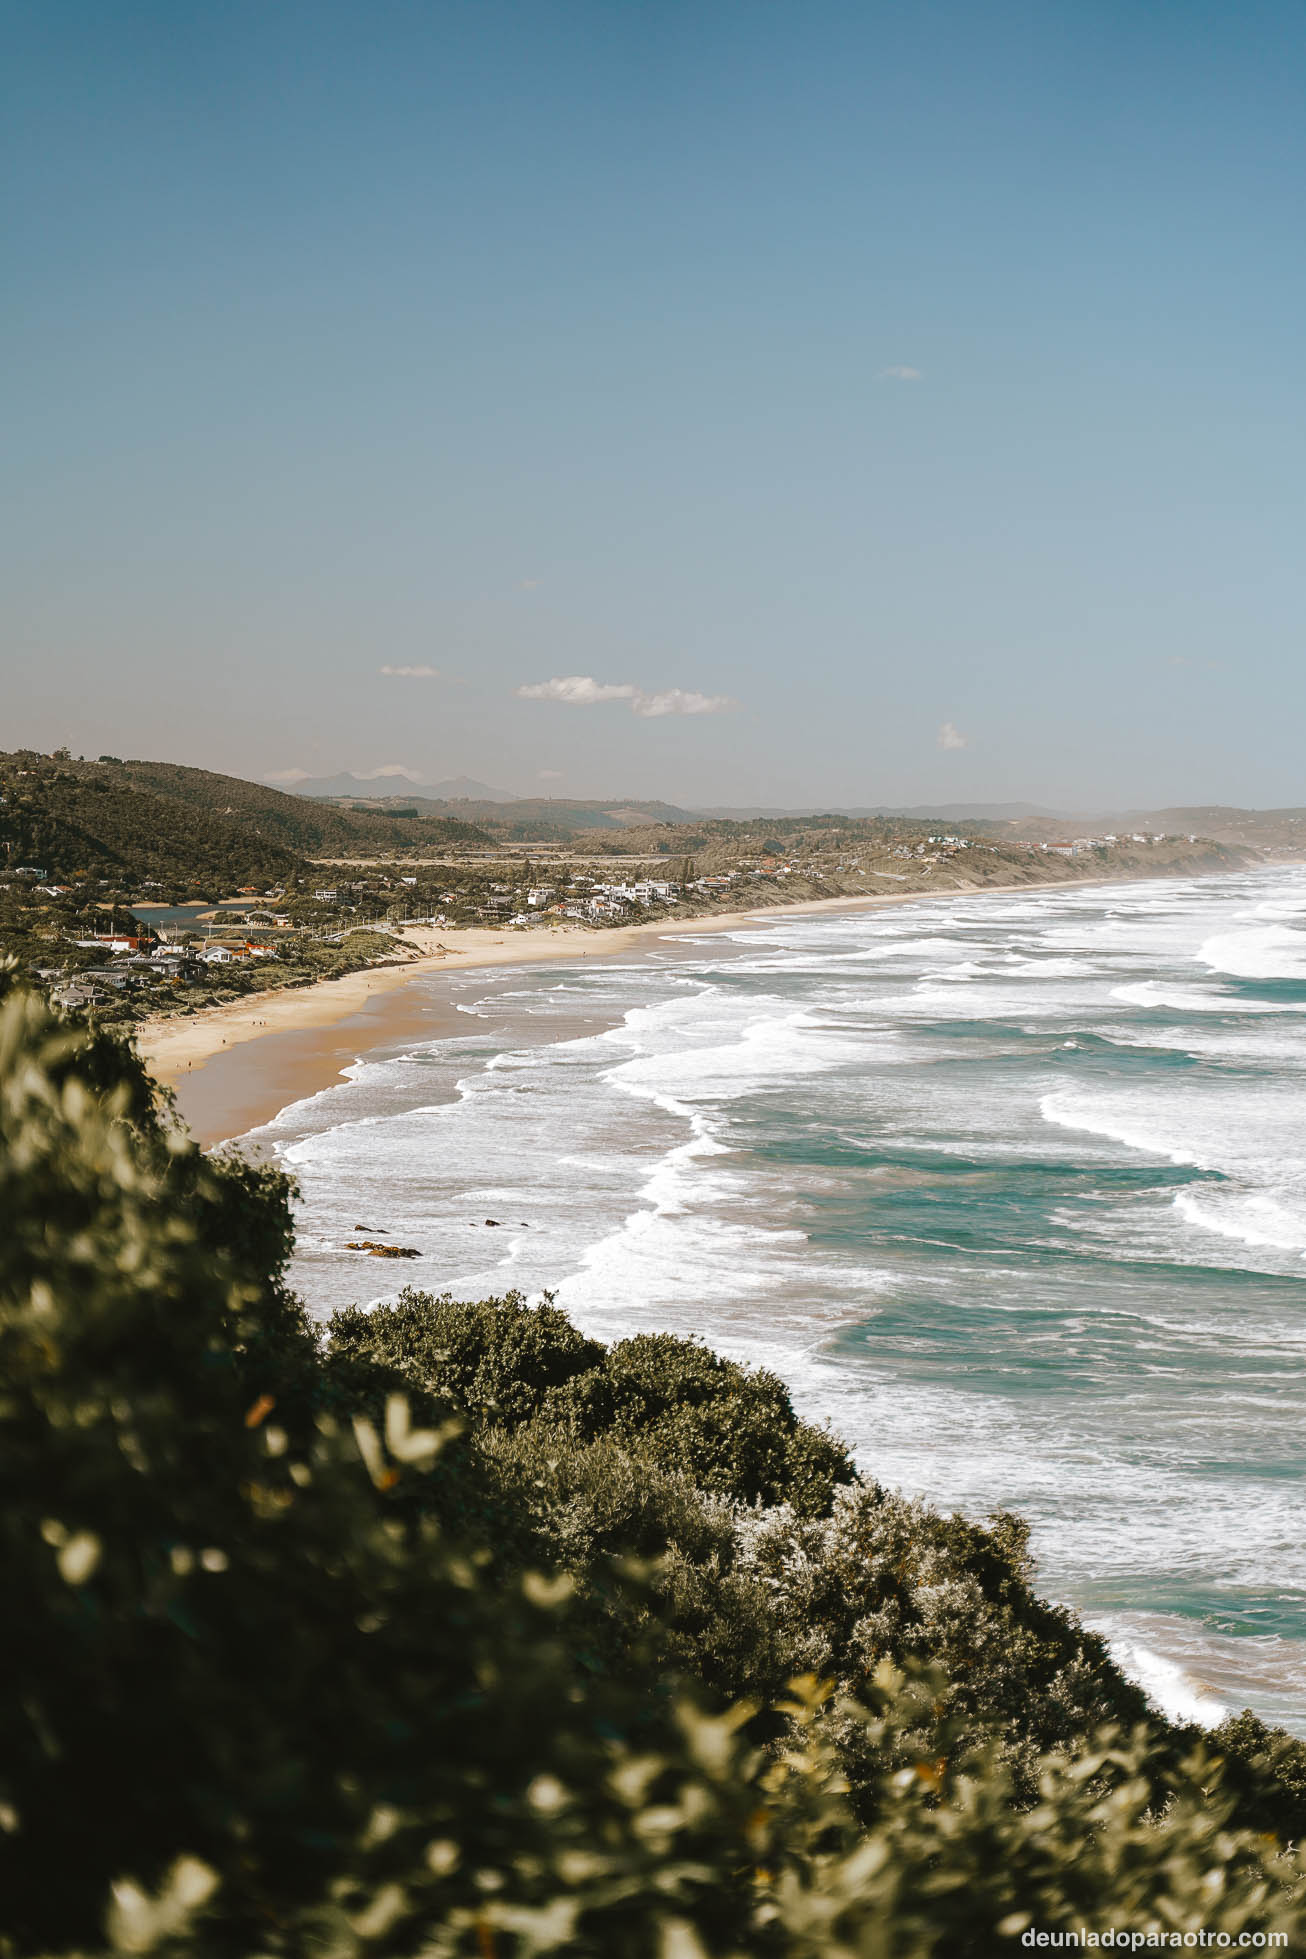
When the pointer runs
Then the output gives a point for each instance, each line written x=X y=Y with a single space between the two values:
x=1012 y=1189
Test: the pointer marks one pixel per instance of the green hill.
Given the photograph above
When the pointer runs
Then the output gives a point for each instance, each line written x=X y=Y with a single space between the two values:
x=133 y=821
x=311 y=828
x=72 y=819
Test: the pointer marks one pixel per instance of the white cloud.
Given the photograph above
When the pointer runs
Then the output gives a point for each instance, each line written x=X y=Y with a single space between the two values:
x=287 y=775
x=901 y=374
x=550 y=775
x=677 y=701
x=582 y=690
x=951 y=736
x=411 y=673
x=575 y=690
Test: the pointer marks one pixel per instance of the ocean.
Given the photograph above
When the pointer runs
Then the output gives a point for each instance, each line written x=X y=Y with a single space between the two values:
x=1010 y=1188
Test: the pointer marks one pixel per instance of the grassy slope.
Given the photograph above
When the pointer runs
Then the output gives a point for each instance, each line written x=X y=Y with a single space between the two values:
x=70 y=823
x=160 y=820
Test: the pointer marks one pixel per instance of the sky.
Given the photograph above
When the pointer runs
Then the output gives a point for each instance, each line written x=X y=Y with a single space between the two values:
x=778 y=402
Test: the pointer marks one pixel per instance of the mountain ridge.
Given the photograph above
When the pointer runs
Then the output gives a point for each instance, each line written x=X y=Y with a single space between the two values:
x=392 y=785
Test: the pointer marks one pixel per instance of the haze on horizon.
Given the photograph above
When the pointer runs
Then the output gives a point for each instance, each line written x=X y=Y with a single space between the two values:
x=737 y=404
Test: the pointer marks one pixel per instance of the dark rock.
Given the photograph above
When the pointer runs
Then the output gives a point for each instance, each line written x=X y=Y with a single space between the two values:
x=383 y=1251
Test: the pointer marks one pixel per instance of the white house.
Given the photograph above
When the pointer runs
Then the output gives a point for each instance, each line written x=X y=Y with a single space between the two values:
x=76 y=994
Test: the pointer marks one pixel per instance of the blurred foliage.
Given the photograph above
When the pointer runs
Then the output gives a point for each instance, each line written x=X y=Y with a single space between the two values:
x=431 y=1641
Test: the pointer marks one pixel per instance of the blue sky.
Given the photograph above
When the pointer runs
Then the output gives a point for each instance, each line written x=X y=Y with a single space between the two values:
x=892 y=404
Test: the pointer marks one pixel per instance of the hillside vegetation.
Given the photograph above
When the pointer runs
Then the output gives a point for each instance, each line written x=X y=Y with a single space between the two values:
x=312 y=829
x=456 y=1632
x=530 y=818
x=836 y=846
x=71 y=820
x=133 y=821
x=555 y=819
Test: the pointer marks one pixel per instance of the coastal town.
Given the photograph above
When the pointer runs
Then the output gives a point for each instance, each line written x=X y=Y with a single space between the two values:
x=125 y=955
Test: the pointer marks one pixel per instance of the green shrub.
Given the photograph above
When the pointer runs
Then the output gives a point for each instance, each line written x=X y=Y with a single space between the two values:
x=1268 y=1770
x=731 y=1429
x=497 y=1358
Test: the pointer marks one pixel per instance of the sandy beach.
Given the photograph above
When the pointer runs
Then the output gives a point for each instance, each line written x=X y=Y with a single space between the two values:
x=234 y=1066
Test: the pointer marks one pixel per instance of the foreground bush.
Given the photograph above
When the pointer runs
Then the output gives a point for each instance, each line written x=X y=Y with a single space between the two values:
x=276 y=1681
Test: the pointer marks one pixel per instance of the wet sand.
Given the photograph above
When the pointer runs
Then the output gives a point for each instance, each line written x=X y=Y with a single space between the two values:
x=241 y=1087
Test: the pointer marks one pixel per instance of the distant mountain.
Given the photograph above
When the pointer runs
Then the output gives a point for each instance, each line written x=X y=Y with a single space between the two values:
x=973 y=812
x=922 y=812
x=465 y=789
x=539 y=816
x=376 y=788
x=525 y=817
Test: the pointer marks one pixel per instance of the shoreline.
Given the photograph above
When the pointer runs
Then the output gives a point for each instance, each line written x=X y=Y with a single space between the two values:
x=235 y=1066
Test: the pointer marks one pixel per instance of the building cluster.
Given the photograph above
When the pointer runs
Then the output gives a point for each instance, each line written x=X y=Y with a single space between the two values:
x=107 y=950
x=593 y=900
x=1084 y=846
x=134 y=963
x=121 y=958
